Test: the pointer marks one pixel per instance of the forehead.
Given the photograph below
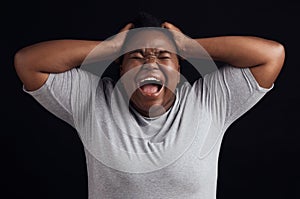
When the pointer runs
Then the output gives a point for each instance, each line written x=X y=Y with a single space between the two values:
x=150 y=39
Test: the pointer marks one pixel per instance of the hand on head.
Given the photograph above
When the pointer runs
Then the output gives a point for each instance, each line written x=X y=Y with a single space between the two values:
x=170 y=26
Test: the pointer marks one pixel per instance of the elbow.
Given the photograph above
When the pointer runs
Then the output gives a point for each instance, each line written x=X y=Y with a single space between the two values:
x=22 y=63
x=18 y=59
x=278 y=54
x=22 y=60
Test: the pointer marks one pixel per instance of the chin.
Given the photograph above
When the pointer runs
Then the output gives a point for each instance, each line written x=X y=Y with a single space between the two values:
x=154 y=103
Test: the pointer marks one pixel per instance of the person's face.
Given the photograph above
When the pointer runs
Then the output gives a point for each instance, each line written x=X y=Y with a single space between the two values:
x=150 y=74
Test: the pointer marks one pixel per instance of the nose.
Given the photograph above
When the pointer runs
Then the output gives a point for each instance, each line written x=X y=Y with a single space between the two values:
x=150 y=59
x=150 y=63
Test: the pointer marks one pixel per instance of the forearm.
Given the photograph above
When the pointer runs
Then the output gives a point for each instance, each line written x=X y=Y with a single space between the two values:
x=54 y=56
x=240 y=51
x=34 y=63
x=264 y=57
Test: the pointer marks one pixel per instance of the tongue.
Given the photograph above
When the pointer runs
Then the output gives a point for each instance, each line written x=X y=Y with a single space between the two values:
x=150 y=88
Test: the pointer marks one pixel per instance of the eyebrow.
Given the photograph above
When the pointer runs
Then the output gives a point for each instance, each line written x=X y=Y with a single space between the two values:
x=136 y=51
x=165 y=51
x=142 y=52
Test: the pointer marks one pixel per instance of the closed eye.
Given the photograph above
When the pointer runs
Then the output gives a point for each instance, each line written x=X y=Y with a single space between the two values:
x=136 y=57
x=164 y=57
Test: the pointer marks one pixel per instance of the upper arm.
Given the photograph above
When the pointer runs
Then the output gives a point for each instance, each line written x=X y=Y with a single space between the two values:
x=266 y=73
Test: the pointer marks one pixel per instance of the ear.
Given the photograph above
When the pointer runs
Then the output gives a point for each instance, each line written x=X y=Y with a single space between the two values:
x=121 y=70
x=179 y=74
x=117 y=61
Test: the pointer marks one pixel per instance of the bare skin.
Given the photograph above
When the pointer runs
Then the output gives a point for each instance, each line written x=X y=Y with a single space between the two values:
x=157 y=63
x=264 y=57
x=34 y=63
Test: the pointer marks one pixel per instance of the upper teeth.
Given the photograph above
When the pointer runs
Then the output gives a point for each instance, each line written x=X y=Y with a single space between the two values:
x=150 y=78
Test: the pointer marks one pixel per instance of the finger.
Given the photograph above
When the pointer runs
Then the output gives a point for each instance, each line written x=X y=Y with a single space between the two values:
x=127 y=27
x=166 y=25
x=170 y=26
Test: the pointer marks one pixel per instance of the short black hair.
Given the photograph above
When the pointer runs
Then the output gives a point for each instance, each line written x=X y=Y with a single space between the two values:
x=145 y=20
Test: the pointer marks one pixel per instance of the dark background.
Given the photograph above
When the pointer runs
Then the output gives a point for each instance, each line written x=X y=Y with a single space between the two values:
x=42 y=157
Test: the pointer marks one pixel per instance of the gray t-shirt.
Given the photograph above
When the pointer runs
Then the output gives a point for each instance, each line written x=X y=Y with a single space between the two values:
x=174 y=156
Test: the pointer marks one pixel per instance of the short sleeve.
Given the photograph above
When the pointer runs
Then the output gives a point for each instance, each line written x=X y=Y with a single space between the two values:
x=224 y=96
x=243 y=92
x=60 y=89
x=230 y=92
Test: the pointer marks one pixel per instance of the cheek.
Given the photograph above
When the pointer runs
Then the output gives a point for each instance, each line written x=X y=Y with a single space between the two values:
x=126 y=69
x=173 y=75
x=172 y=71
x=127 y=77
x=129 y=65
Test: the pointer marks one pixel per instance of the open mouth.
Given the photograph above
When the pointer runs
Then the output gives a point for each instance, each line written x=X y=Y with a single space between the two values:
x=150 y=86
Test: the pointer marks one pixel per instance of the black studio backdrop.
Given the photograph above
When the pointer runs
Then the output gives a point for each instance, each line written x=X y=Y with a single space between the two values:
x=43 y=156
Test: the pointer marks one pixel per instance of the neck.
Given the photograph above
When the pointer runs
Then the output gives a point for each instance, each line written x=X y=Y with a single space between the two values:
x=155 y=110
